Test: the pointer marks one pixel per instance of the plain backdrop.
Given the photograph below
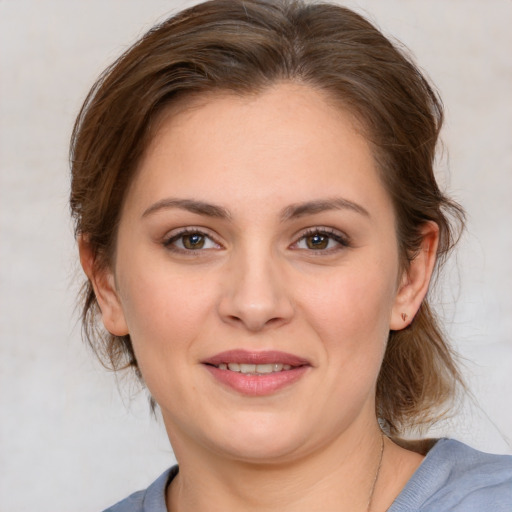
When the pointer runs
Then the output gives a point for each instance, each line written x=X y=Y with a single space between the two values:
x=69 y=439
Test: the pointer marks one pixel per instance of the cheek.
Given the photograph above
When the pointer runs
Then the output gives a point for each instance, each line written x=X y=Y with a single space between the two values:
x=165 y=311
x=352 y=315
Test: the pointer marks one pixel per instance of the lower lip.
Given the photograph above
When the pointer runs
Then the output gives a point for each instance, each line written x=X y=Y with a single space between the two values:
x=257 y=385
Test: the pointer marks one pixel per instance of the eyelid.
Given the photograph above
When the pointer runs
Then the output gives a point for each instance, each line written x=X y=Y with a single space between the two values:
x=338 y=236
x=176 y=234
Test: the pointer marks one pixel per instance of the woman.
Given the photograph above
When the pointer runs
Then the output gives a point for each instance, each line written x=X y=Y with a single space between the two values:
x=259 y=222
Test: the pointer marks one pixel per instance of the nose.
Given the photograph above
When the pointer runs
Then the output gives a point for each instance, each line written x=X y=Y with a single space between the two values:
x=254 y=293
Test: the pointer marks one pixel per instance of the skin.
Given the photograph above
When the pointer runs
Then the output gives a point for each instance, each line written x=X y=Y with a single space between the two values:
x=256 y=284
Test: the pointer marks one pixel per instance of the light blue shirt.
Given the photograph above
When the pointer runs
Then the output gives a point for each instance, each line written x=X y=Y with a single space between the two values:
x=452 y=478
x=456 y=478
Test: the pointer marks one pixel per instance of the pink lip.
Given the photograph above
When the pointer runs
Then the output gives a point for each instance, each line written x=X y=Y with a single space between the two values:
x=261 y=357
x=257 y=385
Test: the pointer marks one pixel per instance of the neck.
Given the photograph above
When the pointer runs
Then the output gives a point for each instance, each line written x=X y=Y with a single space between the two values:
x=339 y=476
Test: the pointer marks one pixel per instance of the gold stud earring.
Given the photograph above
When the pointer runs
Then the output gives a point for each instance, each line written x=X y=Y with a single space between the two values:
x=404 y=317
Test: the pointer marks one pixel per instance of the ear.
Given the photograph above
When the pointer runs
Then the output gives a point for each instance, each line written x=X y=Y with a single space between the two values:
x=103 y=283
x=415 y=279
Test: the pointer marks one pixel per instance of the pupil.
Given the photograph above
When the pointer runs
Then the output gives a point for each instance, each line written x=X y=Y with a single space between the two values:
x=194 y=241
x=317 y=241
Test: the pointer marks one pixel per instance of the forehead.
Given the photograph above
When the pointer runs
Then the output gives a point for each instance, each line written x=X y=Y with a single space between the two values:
x=286 y=138
x=281 y=102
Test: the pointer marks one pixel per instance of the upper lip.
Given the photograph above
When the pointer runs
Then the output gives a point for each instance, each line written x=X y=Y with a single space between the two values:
x=256 y=357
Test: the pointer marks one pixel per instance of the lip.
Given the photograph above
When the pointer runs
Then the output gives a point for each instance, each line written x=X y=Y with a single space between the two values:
x=256 y=357
x=257 y=385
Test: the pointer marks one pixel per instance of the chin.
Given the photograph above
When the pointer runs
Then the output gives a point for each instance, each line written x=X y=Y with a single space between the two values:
x=258 y=439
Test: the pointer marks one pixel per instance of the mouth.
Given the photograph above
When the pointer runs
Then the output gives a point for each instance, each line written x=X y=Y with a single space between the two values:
x=256 y=373
x=259 y=363
x=255 y=369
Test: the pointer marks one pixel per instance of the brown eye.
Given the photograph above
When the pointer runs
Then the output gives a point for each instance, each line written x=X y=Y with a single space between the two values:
x=322 y=241
x=317 y=241
x=193 y=241
x=190 y=241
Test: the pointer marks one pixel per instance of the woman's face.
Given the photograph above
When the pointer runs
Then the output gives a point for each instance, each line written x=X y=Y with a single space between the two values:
x=257 y=232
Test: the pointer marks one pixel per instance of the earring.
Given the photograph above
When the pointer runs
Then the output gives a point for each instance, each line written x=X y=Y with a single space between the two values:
x=404 y=317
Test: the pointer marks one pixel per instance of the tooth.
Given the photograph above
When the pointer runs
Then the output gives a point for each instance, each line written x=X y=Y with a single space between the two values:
x=265 y=368
x=247 y=368
x=254 y=368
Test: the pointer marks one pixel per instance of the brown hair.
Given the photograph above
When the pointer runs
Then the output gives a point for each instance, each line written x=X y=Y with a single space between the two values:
x=243 y=46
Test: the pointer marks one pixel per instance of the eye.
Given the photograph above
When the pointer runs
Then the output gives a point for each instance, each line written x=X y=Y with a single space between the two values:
x=190 y=240
x=321 y=239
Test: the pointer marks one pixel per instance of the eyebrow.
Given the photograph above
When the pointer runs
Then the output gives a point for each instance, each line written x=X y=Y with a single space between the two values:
x=322 y=205
x=290 y=212
x=191 y=205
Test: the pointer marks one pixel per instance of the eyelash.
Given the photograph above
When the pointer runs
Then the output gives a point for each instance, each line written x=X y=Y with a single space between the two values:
x=170 y=241
x=342 y=240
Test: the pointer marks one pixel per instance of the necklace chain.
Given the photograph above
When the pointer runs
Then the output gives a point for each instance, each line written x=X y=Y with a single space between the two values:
x=377 y=473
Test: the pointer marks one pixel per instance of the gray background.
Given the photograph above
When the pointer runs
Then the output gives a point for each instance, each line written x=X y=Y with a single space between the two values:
x=68 y=439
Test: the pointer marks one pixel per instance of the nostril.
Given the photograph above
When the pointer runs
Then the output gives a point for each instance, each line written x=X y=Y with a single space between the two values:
x=255 y=321
x=253 y=298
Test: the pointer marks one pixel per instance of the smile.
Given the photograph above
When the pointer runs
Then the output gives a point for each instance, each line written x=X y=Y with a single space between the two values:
x=256 y=373
x=255 y=369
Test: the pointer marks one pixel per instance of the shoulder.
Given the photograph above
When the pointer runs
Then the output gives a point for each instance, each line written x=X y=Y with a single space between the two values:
x=151 y=499
x=455 y=477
